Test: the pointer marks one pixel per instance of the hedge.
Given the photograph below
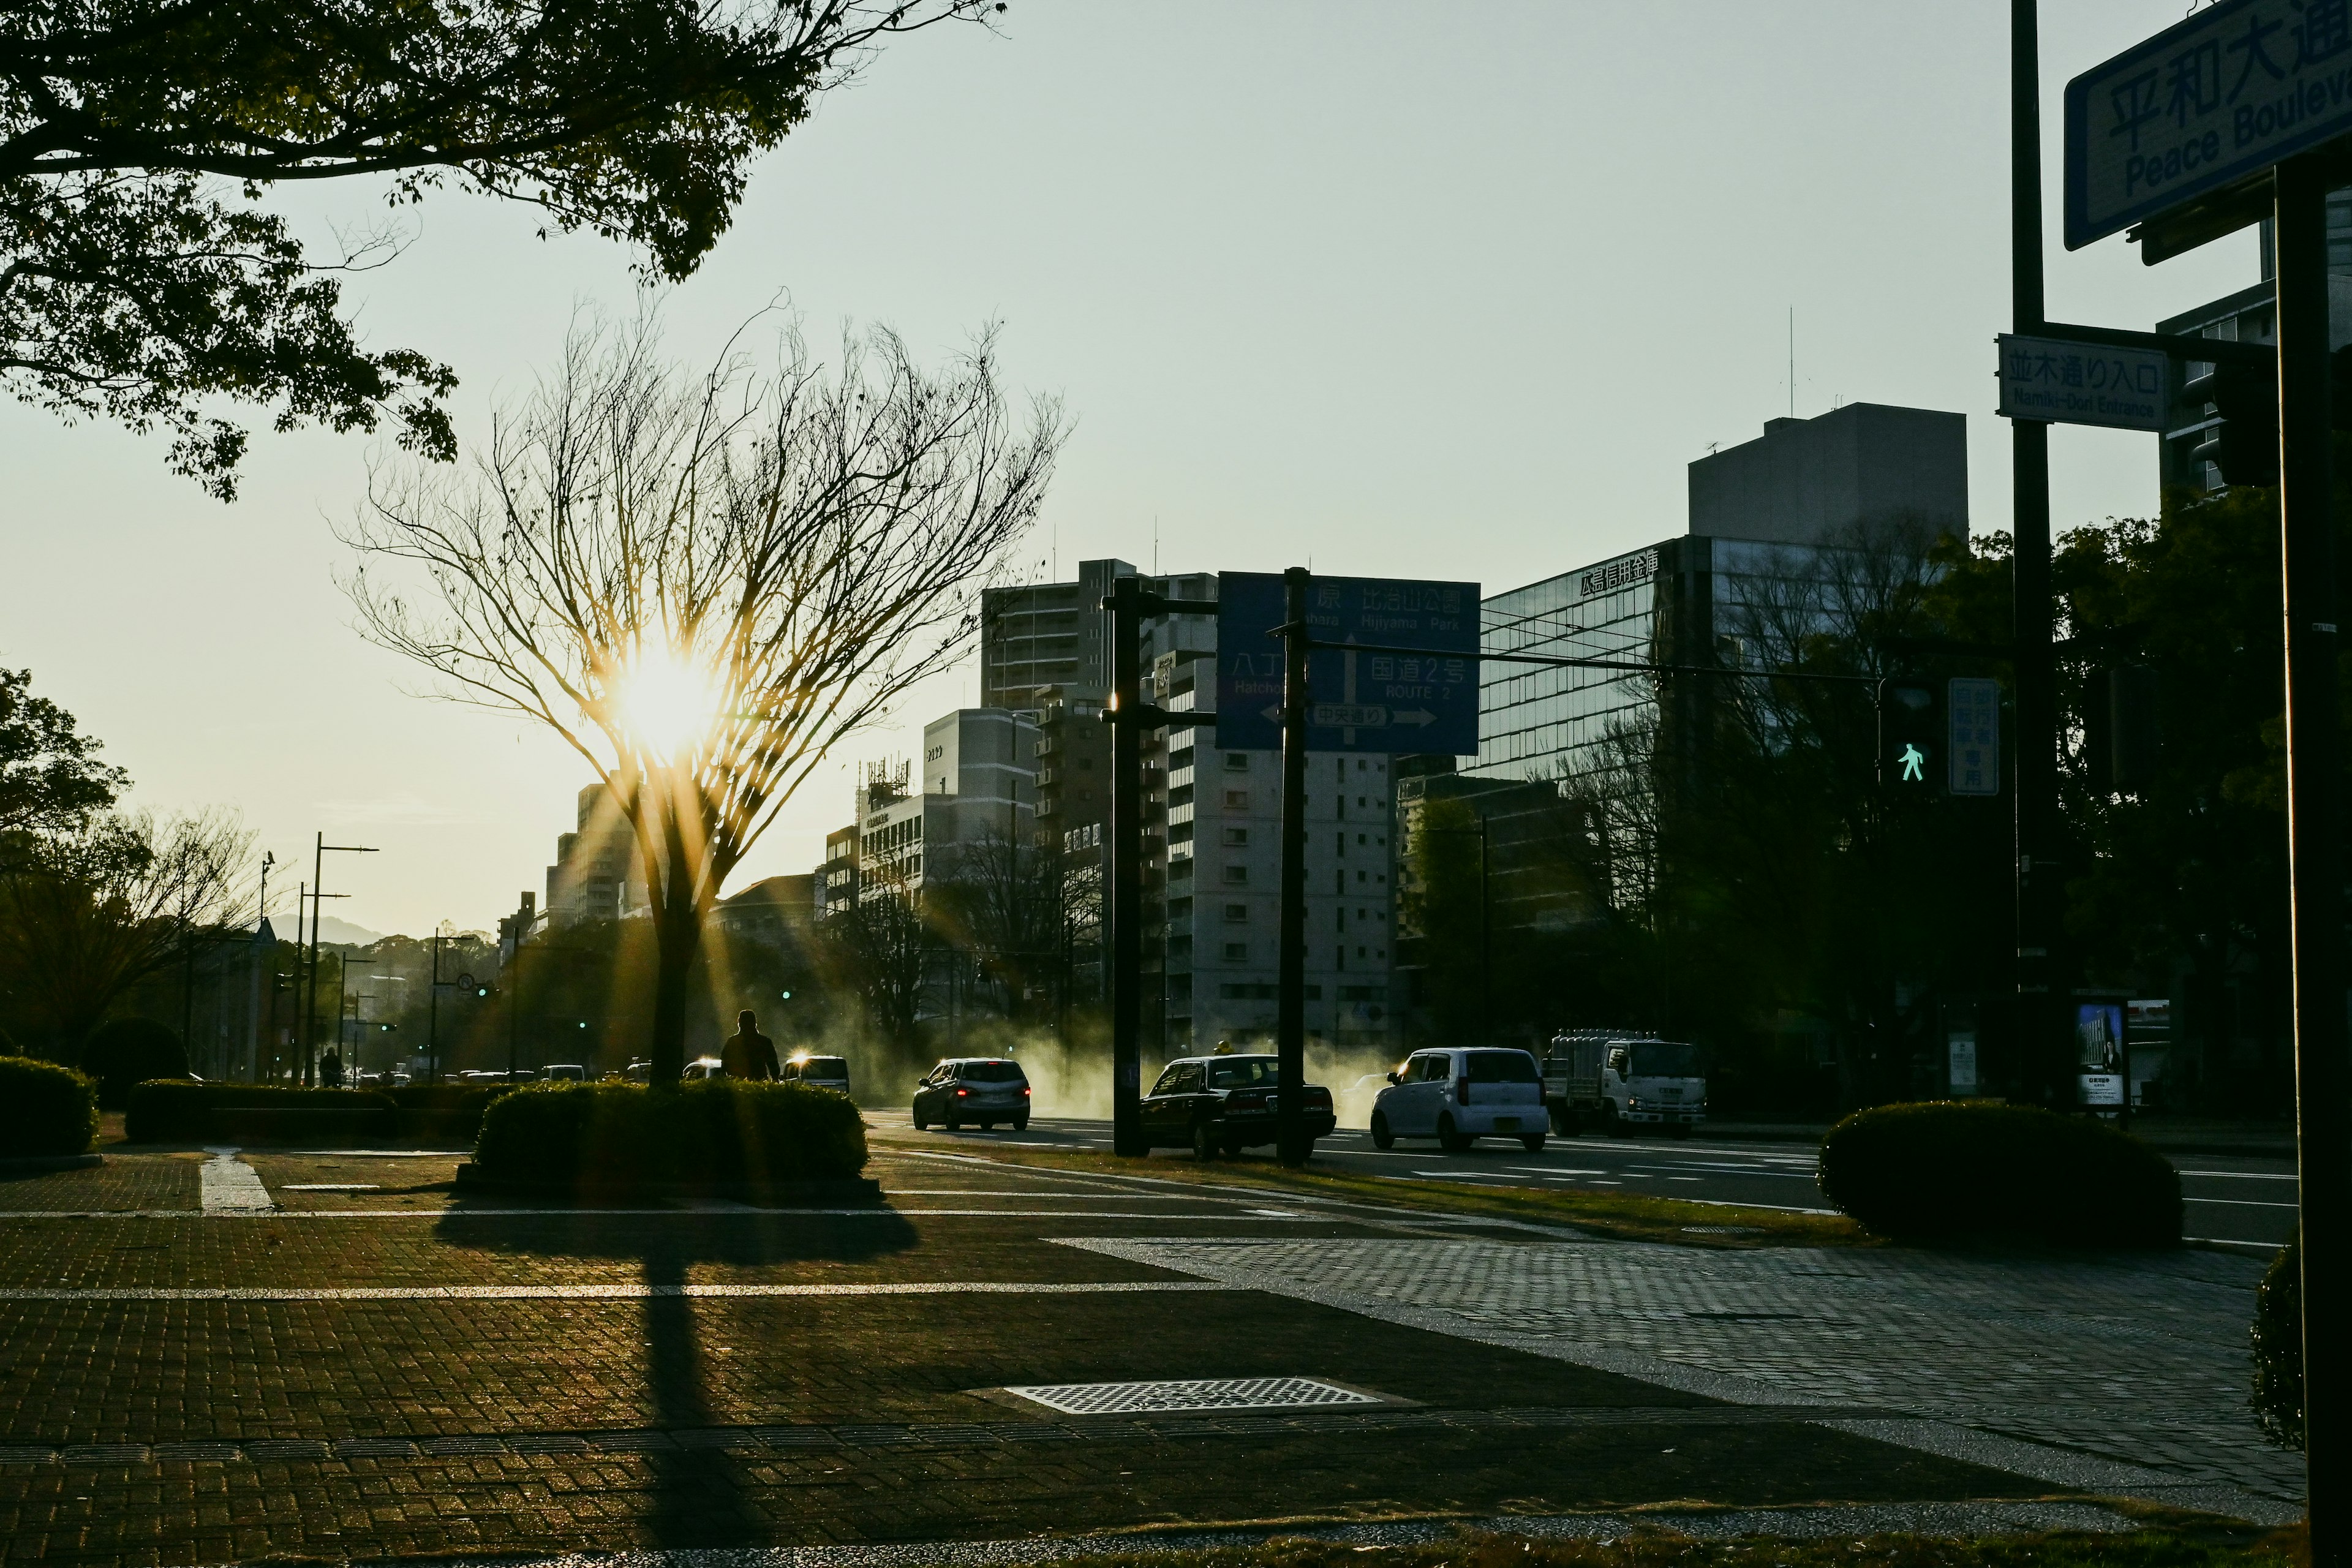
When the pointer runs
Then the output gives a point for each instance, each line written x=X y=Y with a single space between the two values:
x=124 y=1052
x=1947 y=1169
x=623 y=1135
x=45 y=1110
x=2278 y=1348
x=471 y=1097
x=168 y=1111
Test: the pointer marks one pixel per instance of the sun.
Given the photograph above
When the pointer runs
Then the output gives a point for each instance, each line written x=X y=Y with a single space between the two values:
x=667 y=702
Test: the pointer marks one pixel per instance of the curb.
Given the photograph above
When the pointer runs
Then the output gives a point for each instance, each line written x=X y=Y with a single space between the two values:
x=33 y=1165
x=841 y=1190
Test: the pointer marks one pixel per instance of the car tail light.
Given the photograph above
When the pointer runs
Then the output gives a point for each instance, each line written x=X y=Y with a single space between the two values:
x=1317 y=1096
x=962 y=1092
x=1462 y=1091
x=1025 y=1090
x=1245 y=1102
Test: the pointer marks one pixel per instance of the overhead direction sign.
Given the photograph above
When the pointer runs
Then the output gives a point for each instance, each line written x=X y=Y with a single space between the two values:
x=2063 y=383
x=1425 y=701
x=2206 y=103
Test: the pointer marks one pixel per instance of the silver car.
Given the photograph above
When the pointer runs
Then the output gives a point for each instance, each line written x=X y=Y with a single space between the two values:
x=985 y=1089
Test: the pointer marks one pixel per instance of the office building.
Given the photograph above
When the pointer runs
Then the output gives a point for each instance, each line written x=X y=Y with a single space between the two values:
x=598 y=873
x=978 y=791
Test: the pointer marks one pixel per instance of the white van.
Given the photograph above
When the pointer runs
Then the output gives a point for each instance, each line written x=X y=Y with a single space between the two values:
x=1460 y=1095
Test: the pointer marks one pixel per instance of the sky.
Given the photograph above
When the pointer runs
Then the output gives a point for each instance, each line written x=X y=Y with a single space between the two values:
x=1374 y=287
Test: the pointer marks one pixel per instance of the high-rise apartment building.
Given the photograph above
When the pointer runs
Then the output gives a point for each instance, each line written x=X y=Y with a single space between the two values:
x=598 y=873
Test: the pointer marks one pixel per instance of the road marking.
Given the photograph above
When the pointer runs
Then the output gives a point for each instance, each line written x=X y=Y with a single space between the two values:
x=878 y=1211
x=606 y=1292
x=1558 y=1171
x=331 y=1187
x=2245 y=1175
x=2242 y=1203
x=228 y=1186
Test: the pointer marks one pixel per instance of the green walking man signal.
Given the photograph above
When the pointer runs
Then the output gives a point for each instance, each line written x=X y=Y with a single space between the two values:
x=1913 y=759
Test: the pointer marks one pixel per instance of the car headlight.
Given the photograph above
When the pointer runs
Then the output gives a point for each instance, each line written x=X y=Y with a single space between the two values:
x=1633 y=1104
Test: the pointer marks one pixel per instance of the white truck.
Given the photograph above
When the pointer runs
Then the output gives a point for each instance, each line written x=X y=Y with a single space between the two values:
x=1622 y=1079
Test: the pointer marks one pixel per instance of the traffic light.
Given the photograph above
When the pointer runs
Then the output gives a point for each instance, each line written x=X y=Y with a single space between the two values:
x=1910 y=734
x=2243 y=441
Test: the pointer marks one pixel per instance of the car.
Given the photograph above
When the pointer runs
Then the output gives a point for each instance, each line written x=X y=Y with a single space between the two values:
x=569 y=1073
x=1459 y=1096
x=824 y=1072
x=986 y=1089
x=702 y=1068
x=638 y=1071
x=1224 y=1104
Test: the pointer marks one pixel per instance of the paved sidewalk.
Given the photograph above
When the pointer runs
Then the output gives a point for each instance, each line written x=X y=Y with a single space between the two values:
x=2139 y=1359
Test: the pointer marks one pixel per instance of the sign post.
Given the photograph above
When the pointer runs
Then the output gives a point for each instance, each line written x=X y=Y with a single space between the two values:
x=2185 y=134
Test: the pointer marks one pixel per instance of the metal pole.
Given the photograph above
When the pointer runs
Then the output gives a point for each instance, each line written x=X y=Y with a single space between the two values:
x=1485 y=943
x=433 y=1016
x=514 y=997
x=1126 y=867
x=310 y=998
x=2314 y=853
x=2035 y=782
x=1290 y=990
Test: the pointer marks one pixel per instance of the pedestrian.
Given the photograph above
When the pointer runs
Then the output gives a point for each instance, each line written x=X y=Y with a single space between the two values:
x=749 y=1053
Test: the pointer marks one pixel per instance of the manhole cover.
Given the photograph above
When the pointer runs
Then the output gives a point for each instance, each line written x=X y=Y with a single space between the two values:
x=1203 y=1394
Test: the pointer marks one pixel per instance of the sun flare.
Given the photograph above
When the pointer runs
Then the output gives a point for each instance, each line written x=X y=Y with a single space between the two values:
x=667 y=703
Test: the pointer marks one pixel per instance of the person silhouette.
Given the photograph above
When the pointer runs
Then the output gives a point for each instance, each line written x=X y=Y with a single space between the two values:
x=749 y=1054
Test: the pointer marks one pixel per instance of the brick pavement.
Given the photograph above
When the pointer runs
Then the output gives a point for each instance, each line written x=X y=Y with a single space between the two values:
x=2139 y=1358
x=386 y=1427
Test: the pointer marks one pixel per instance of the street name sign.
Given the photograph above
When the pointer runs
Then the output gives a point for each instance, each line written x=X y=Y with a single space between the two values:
x=1421 y=701
x=2202 y=105
x=1972 y=711
x=2063 y=383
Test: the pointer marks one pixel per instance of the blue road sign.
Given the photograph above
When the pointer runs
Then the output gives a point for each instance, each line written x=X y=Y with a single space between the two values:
x=1422 y=701
x=2207 y=102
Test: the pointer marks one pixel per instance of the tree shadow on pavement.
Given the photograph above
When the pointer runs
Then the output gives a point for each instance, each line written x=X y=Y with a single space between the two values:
x=697 y=1497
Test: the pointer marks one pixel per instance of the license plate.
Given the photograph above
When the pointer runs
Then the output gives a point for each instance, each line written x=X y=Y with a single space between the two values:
x=1508 y=1123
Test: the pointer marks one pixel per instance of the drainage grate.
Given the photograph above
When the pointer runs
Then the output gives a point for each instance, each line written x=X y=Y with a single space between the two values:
x=1205 y=1394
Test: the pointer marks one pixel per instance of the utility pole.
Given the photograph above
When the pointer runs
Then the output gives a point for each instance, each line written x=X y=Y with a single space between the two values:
x=1290 y=988
x=2315 y=781
x=433 y=1011
x=2040 y=998
x=320 y=848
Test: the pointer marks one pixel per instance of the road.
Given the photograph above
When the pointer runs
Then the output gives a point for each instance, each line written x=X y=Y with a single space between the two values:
x=2229 y=1199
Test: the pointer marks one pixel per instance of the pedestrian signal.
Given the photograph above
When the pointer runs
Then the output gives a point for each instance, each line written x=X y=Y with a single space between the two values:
x=1909 y=735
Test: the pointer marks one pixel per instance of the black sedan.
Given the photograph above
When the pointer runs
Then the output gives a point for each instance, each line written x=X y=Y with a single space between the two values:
x=985 y=1089
x=1225 y=1104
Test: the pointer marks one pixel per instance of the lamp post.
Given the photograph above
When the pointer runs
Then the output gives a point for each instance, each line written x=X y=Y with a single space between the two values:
x=320 y=848
x=349 y=1055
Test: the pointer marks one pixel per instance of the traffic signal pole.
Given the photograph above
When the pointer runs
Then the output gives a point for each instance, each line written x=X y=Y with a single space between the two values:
x=2315 y=780
x=1126 y=868
x=2040 y=1002
x=1290 y=990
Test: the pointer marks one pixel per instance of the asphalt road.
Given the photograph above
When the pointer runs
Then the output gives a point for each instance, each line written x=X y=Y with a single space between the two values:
x=2245 y=1201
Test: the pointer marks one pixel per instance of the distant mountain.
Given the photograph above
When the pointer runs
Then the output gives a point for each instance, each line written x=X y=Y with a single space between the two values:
x=343 y=932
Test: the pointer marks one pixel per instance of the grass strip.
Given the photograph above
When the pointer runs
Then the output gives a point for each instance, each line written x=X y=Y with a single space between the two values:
x=1624 y=1215
x=2190 y=1545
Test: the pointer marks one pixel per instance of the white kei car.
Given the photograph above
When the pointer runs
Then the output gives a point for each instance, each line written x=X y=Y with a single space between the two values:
x=1462 y=1095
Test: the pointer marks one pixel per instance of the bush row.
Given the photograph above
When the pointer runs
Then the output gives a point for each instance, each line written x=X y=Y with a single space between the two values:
x=2278 y=1348
x=621 y=1135
x=1948 y=1169
x=45 y=1110
x=171 y=1110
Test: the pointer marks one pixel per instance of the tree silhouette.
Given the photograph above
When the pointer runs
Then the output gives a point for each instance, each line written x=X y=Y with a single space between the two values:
x=704 y=584
x=140 y=279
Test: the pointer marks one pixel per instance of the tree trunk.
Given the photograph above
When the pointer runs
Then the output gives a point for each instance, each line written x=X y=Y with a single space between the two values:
x=676 y=933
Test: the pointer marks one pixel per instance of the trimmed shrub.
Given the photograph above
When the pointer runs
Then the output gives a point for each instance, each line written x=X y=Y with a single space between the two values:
x=623 y=1135
x=1946 y=1169
x=471 y=1097
x=45 y=1110
x=176 y=1112
x=122 y=1052
x=2278 y=1348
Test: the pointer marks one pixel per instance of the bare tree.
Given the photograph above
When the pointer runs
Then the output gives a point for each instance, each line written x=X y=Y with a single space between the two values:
x=704 y=584
x=86 y=914
x=879 y=948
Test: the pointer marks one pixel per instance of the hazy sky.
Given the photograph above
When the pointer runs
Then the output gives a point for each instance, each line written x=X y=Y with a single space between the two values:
x=1405 y=289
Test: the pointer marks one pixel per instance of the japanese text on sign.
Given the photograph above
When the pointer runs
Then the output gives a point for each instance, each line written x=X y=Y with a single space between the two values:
x=2058 y=382
x=1364 y=701
x=2201 y=105
x=1972 y=706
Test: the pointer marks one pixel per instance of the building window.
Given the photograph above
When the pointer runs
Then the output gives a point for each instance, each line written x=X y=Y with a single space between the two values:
x=1237 y=761
x=1236 y=953
x=1237 y=914
x=1236 y=873
x=1343 y=843
x=1237 y=800
x=1237 y=837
